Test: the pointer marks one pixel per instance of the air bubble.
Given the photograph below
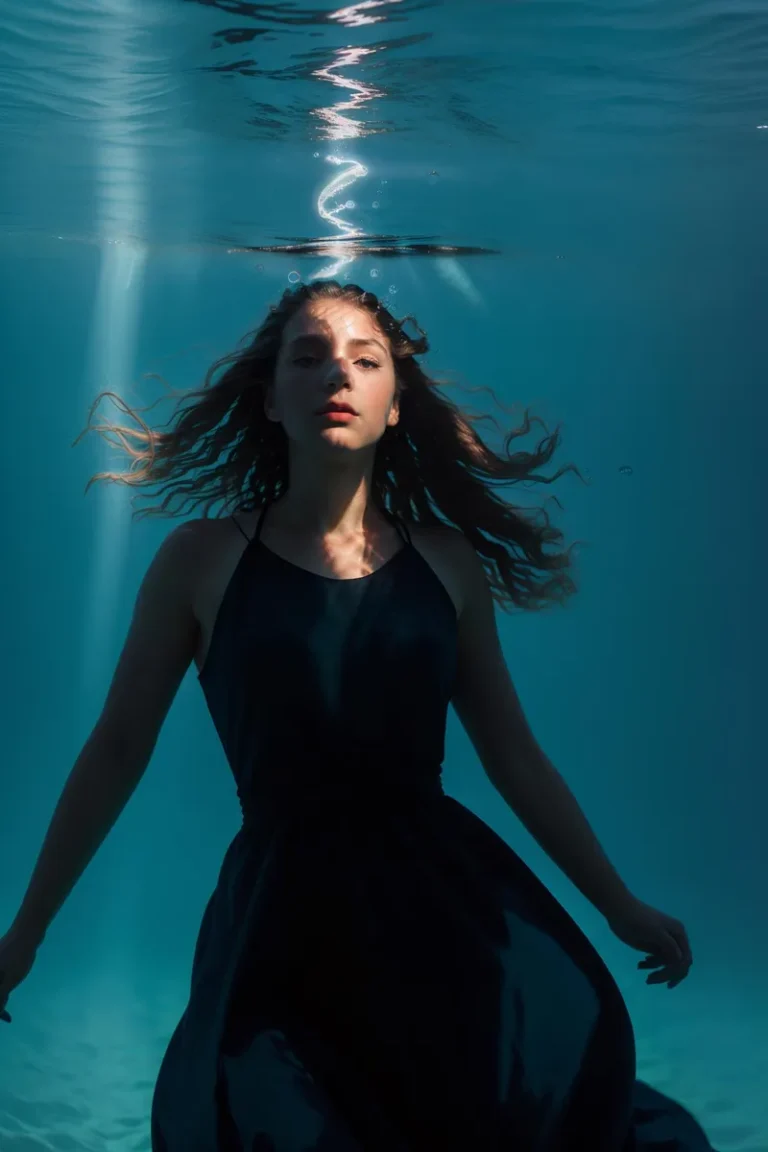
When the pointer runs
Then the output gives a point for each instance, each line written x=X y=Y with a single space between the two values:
x=294 y=277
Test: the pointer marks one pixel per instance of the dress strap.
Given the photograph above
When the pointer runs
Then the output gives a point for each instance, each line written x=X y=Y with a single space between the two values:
x=258 y=525
x=239 y=526
x=400 y=525
x=260 y=522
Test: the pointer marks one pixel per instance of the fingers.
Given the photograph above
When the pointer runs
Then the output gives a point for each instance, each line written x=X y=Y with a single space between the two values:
x=681 y=969
x=670 y=955
x=662 y=951
x=667 y=976
x=666 y=973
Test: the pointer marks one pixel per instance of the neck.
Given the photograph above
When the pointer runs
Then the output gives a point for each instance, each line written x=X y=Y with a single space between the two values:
x=339 y=505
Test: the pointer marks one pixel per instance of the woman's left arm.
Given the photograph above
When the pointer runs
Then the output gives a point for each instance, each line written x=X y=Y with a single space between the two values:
x=489 y=709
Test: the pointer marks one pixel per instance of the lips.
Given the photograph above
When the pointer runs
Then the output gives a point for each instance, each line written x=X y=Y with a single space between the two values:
x=336 y=408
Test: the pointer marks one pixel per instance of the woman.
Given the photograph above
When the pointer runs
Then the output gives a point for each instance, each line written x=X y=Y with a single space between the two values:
x=376 y=969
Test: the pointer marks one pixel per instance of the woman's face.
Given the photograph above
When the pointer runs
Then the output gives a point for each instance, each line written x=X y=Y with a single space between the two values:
x=333 y=352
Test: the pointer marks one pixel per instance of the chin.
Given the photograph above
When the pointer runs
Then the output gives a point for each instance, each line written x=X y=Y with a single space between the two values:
x=336 y=442
x=338 y=439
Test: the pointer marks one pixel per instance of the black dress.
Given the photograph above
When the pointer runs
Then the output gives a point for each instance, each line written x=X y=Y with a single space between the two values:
x=377 y=971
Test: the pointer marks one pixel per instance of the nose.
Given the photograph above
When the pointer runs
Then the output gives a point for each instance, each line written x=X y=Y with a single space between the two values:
x=338 y=373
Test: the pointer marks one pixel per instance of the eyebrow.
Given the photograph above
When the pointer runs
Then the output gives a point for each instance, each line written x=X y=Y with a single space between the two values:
x=358 y=342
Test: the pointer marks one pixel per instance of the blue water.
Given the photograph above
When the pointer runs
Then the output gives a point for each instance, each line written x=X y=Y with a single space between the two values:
x=571 y=199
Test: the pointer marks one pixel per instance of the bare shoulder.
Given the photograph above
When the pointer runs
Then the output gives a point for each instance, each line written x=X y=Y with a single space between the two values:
x=453 y=559
x=171 y=580
x=156 y=653
x=204 y=542
x=202 y=533
x=214 y=548
x=188 y=548
x=190 y=554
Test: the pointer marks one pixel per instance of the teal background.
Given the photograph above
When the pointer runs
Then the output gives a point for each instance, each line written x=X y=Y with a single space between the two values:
x=616 y=157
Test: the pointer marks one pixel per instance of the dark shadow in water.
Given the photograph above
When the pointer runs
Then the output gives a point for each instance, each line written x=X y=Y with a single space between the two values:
x=387 y=246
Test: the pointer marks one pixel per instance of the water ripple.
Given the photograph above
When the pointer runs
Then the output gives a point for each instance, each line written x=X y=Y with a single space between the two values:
x=173 y=120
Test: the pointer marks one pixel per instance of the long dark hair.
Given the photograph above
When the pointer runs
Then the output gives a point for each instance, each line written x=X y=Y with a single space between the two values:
x=432 y=467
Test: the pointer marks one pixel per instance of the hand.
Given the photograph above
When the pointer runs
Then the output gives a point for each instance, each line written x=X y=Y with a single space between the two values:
x=663 y=938
x=17 y=955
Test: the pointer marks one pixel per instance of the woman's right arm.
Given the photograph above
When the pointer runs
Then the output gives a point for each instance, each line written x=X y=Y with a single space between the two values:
x=156 y=655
